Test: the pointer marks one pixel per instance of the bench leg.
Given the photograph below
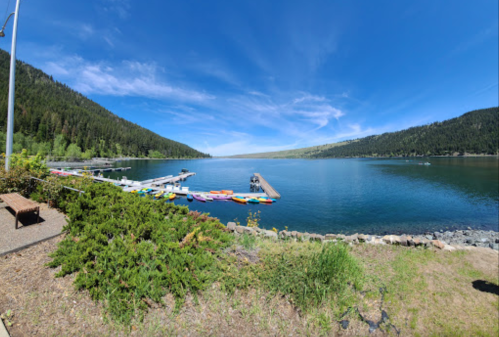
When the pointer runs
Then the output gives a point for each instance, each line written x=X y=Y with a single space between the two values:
x=38 y=217
x=17 y=214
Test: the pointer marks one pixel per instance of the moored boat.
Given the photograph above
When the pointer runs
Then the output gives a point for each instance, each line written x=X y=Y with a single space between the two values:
x=198 y=197
x=189 y=197
x=253 y=201
x=228 y=192
x=207 y=197
x=265 y=201
x=239 y=199
x=216 y=192
x=172 y=196
x=159 y=194
x=221 y=197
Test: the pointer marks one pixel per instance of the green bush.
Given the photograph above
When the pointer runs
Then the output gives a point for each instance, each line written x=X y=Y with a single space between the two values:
x=311 y=280
x=128 y=250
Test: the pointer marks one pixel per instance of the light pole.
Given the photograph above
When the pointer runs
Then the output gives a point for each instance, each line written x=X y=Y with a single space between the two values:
x=12 y=86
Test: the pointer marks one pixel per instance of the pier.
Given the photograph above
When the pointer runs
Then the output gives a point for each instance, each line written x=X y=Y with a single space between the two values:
x=164 y=184
x=267 y=188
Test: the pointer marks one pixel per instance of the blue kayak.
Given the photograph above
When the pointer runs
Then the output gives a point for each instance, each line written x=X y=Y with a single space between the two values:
x=189 y=197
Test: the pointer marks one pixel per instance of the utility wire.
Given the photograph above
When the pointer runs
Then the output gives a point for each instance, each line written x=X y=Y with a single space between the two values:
x=7 y=10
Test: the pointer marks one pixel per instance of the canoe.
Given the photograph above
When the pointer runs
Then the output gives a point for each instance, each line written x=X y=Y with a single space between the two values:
x=228 y=192
x=189 y=197
x=221 y=197
x=172 y=196
x=253 y=201
x=240 y=199
x=265 y=201
x=207 y=197
x=198 y=197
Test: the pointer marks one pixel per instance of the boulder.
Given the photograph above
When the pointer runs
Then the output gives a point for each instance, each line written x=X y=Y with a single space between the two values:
x=404 y=241
x=417 y=242
x=294 y=234
x=240 y=229
x=449 y=248
x=318 y=237
x=270 y=234
x=362 y=238
x=340 y=237
x=438 y=244
x=248 y=230
x=351 y=238
x=391 y=239
x=330 y=236
x=231 y=226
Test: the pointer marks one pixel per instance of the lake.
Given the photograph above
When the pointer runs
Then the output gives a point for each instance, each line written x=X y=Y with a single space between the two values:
x=370 y=196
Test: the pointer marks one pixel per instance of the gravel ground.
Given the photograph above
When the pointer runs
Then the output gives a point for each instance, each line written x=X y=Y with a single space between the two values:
x=29 y=232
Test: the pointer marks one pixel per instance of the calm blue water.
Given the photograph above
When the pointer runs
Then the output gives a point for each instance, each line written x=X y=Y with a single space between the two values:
x=368 y=196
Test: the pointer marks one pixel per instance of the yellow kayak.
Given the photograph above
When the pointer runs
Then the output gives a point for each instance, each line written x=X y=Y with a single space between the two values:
x=268 y=201
x=158 y=195
x=240 y=199
x=173 y=196
x=134 y=191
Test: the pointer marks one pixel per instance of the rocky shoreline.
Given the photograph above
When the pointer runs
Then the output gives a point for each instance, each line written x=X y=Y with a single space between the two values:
x=448 y=240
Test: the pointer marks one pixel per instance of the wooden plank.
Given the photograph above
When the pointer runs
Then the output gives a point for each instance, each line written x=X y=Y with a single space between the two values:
x=267 y=188
x=19 y=203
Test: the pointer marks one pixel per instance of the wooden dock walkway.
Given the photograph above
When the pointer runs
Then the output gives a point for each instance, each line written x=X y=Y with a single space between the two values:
x=267 y=188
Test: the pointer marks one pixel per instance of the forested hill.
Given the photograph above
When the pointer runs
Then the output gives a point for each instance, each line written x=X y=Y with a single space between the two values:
x=45 y=109
x=475 y=132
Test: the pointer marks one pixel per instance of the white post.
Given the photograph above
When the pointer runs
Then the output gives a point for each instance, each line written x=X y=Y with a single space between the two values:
x=12 y=89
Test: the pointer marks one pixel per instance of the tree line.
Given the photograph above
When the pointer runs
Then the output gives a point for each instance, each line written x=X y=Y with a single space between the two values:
x=475 y=132
x=51 y=118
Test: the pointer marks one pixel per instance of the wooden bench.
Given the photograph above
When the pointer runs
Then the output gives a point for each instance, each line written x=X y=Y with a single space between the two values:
x=20 y=205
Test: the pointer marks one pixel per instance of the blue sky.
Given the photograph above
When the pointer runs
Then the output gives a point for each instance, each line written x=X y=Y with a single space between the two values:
x=230 y=77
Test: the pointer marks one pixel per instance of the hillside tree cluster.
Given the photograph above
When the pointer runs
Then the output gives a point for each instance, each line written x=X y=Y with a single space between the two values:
x=53 y=119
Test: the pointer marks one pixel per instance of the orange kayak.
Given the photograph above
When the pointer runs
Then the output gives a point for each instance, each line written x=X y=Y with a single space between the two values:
x=216 y=192
x=228 y=192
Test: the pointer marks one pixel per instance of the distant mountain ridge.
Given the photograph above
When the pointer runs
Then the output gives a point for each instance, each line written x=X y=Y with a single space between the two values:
x=475 y=132
x=45 y=108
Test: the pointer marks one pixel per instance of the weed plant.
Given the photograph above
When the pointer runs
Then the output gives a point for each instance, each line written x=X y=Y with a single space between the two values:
x=310 y=275
x=311 y=280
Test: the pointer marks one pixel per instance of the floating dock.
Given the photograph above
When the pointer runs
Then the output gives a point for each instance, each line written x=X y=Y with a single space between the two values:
x=267 y=188
x=159 y=184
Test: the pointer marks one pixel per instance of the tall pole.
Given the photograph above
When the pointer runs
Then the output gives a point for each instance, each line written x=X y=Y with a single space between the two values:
x=12 y=90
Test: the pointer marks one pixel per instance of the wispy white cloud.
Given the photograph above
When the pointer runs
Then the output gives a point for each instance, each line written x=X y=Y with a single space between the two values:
x=240 y=147
x=128 y=78
x=119 y=7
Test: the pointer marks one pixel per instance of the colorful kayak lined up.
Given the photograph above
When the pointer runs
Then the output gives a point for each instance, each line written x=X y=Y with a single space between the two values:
x=223 y=195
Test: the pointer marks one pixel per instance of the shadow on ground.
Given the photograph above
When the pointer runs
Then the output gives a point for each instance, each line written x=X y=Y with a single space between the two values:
x=26 y=219
x=486 y=287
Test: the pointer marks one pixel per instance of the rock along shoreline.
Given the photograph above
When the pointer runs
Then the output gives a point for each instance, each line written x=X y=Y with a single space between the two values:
x=448 y=240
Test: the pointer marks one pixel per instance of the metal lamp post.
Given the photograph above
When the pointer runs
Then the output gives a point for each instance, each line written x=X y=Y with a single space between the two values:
x=12 y=87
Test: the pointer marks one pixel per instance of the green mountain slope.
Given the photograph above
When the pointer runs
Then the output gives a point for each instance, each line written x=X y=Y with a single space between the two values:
x=45 y=108
x=475 y=132
x=306 y=152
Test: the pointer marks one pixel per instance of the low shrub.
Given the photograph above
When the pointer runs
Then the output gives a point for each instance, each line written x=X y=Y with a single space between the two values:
x=129 y=250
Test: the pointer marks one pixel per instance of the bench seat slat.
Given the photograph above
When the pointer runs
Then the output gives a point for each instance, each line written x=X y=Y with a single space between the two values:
x=18 y=203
